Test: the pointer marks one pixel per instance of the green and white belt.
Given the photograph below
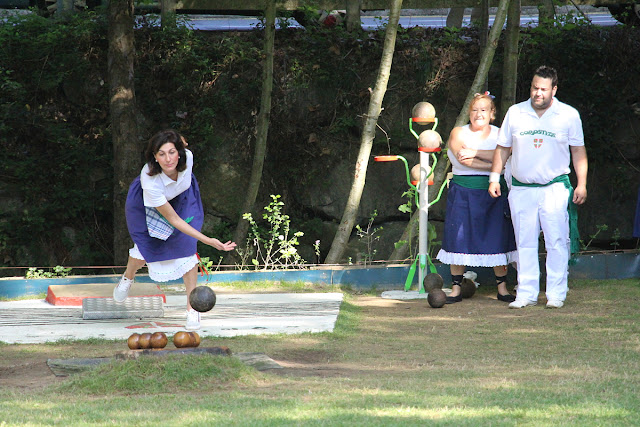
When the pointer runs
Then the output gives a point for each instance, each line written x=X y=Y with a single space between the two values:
x=574 y=233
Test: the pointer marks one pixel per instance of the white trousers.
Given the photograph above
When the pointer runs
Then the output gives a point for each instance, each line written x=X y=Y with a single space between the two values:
x=533 y=209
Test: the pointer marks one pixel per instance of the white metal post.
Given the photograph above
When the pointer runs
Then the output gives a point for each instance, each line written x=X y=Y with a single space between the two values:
x=423 y=219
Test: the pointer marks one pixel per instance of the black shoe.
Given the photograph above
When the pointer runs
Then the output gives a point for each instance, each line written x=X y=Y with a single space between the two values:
x=452 y=300
x=506 y=298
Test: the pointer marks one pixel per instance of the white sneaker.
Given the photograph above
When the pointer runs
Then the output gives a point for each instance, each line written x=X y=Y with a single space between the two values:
x=554 y=304
x=121 y=292
x=193 y=320
x=520 y=303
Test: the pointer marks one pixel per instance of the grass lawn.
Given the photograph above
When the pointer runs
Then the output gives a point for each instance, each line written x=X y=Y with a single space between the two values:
x=387 y=363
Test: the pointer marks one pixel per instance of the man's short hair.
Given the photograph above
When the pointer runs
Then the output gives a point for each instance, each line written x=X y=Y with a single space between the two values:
x=547 y=73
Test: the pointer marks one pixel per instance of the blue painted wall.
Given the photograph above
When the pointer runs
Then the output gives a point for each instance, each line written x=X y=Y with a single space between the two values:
x=597 y=266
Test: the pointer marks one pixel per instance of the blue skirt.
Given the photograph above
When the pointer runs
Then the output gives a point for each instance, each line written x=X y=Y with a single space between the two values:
x=178 y=245
x=477 y=229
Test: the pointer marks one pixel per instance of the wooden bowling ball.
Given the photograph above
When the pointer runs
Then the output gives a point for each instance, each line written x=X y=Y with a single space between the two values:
x=133 y=341
x=195 y=338
x=182 y=339
x=145 y=340
x=415 y=174
x=423 y=113
x=432 y=281
x=202 y=298
x=437 y=298
x=429 y=139
x=467 y=288
x=159 y=340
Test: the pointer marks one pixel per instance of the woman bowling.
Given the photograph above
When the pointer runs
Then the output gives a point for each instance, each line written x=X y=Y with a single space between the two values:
x=164 y=217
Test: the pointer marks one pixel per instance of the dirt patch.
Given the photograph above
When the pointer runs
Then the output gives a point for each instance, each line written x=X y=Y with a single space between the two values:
x=27 y=376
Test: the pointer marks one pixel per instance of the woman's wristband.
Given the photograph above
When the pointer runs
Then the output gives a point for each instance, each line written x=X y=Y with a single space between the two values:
x=494 y=177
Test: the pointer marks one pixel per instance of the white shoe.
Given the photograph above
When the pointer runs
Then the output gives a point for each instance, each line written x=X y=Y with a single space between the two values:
x=193 y=320
x=121 y=292
x=520 y=303
x=554 y=304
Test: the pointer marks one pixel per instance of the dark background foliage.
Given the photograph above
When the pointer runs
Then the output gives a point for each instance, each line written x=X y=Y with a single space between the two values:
x=54 y=124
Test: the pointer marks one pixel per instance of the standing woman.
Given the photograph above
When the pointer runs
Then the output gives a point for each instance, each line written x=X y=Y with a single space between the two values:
x=164 y=217
x=477 y=228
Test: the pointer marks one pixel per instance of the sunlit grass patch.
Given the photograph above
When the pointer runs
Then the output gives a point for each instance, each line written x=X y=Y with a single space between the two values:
x=41 y=295
x=162 y=374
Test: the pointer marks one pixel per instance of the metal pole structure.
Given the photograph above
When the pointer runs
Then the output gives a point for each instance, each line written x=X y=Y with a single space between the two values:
x=429 y=143
x=423 y=219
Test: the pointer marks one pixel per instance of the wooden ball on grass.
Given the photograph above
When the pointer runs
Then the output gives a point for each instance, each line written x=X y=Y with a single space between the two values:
x=159 y=340
x=133 y=341
x=183 y=339
x=195 y=339
x=437 y=298
x=432 y=281
x=145 y=340
x=467 y=288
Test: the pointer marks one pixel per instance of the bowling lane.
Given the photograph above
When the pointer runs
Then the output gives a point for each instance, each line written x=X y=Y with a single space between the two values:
x=36 y=321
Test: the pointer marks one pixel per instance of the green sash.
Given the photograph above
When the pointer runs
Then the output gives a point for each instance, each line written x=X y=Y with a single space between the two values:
x=477 y=182
x=574 y=233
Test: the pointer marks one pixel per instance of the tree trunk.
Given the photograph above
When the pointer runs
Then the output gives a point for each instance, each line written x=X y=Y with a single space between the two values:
x=480 y=79
x=455 y=17
x=409 y=235
x=484 y=34
x=262 y=128
x=168 y=13
x=546 y=12
x=354 y=22
x=64 y=9
x=484 y=22
x=341 y=238
x=485 y=61
x=122 y=107
x=510 y=67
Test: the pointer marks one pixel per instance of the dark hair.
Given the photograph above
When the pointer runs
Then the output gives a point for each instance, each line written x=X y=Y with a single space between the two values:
x=547 y=73
x=157 y=141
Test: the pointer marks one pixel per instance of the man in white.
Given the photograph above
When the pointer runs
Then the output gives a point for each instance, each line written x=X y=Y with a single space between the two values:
x=542 y=135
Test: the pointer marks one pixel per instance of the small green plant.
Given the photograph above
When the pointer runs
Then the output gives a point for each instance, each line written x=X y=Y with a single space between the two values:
x=601 y=227
x=316 y=249
x=368 y=236
x=616 y=239
x=407 y=208
x=206 y=265
x=58 y=271
x=275 y=245
x=400 y=243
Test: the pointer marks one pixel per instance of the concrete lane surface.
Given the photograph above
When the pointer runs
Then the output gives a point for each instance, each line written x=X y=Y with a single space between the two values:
x=37 y=321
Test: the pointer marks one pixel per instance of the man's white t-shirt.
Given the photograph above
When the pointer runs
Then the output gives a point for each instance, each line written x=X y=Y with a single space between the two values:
x=159 y=189
x=540 y=145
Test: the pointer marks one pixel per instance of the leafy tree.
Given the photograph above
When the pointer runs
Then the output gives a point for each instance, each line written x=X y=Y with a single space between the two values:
x=262 y=124
x=368 y=134
x=122 y=106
